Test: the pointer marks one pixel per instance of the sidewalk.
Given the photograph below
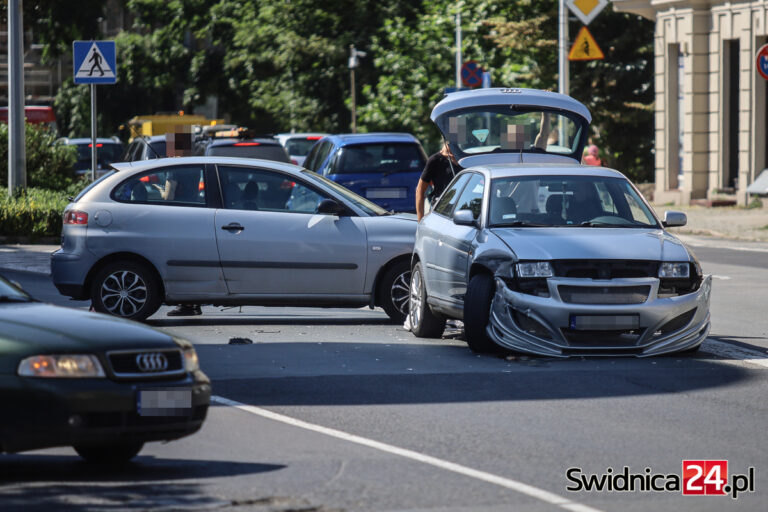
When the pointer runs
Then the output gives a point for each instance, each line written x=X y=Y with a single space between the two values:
x=713 y=226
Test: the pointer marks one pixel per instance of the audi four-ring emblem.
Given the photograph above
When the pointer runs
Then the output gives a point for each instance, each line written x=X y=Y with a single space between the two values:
x=153 y=362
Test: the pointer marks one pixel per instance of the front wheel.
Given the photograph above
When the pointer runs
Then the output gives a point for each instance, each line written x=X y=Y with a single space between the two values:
x=126 y=289
x=424 y=323
x=477 y=309
x=110 y=453
x=393 y=291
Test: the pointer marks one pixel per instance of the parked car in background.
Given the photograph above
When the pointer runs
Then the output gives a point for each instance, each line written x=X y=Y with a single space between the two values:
x=100 y=384
x=382 y=167
x=298 y=144
x=543 y=256
x=230 y=231
x=145 y=148
x=107 y=151
x=265 y=149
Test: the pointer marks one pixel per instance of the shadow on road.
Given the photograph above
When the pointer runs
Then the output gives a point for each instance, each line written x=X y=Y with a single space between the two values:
x=356 y=374
x=271 y=320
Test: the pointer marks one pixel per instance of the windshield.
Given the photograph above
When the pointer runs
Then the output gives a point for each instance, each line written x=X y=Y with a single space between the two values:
x=388 y=157
x=105 y=152
x=362 y=203
x=511 y=129
x=8 y=291
x=300 y=146
x=571 y=201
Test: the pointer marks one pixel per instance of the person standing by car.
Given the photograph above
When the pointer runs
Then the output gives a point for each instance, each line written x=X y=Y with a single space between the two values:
x=438 y=172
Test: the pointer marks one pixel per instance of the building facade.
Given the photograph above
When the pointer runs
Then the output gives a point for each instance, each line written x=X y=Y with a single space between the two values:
x=711 y=103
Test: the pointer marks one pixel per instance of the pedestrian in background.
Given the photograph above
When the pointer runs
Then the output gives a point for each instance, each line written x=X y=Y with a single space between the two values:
x=591 y=156
x=439 y=171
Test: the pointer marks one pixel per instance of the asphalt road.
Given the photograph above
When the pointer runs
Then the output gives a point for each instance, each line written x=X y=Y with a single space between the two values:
x=427 y=425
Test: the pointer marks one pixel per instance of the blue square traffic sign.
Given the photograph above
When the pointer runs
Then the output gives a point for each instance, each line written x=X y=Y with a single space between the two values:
x=94 y=62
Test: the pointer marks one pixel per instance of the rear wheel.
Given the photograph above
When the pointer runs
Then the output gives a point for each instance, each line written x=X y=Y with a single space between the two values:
x=477 y=309
x=393 y=291
x=110 y=453
x=126 y=289
x=424 y=323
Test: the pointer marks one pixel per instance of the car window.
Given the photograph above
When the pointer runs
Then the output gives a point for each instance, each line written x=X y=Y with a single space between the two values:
x=299 y=146
x=178 y=185
x=359 y=201
x=471 y=197
x=451 y=195
x=106 y=153
x=379 y=158
x=274 y=152
x=319 y=157
x=246 y=188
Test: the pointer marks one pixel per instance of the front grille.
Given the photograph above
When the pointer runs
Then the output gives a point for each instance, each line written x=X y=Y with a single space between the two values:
x=604 y=294
x=599 y=339
x=156 y=363
x=605 y=269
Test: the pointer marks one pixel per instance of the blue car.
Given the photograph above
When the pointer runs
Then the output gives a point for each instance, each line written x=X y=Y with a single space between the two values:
x=382 y=167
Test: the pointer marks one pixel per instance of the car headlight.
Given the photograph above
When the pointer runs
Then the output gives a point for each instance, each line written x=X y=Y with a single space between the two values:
x=534 y=269
x=190 y=360
x=681 y=270
x=61 y=366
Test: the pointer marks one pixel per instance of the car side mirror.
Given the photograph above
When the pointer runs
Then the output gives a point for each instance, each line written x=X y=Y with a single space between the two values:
x=674 y=219
x=330 y=207
x=464 y=218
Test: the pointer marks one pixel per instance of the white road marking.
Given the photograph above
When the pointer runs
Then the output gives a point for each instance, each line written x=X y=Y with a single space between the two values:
x=507 y=483
x=735 y=354
x=724 y=278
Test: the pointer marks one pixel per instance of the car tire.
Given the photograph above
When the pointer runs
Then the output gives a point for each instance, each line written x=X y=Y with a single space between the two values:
x=393 y=291
x=477 y=309
x=109 y=453
x=424 y=323
x=142 y=295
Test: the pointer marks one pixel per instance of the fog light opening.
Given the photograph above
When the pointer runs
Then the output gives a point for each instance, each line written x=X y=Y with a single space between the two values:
x=529 y=325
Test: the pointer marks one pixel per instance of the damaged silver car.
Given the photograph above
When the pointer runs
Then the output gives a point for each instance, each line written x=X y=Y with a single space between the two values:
x=543 y=255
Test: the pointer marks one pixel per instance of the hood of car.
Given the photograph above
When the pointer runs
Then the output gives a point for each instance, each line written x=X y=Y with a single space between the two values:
x=38 y=328
x=592 y=243
x=507 y=124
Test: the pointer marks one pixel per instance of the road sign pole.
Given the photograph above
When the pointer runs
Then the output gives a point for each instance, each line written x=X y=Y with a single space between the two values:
x=93 y=132
x=563 y=85
x=17 y=158
x=458 y=51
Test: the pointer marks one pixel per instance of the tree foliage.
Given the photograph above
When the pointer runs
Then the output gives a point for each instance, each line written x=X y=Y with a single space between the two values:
x=49 y=165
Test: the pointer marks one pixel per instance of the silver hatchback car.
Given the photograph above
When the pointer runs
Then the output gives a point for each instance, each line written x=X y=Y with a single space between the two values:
x=539 y=254
x=230 y=231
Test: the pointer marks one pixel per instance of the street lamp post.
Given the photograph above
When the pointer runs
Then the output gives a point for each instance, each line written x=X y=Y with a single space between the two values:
x=353 y=63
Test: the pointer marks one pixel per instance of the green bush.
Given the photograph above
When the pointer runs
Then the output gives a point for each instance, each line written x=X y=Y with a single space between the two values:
x=31 y=214
x=49 y=165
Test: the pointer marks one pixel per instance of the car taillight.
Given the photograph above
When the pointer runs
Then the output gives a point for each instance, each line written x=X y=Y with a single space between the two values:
x=294 y=161
x=314 y=137
x=247 y=144
x=75 y=217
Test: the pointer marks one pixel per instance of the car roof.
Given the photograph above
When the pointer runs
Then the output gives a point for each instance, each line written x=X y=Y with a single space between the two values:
x=509 y=96
x=512 y=170
x=99 y=140
x=231 y=141
x=146 y=165
x=344 y=139
x=301 y=135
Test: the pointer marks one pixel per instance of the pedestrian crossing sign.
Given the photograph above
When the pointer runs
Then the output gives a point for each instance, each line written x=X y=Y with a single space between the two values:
x=585 y=47
x=94 y=62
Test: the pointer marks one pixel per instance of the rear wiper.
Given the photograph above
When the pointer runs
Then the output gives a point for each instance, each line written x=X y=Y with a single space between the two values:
x=519 y=223
x=14 y=298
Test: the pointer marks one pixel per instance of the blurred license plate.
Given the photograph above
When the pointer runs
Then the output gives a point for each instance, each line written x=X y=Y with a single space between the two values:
x=164 y=402
x=386 y=193
x=604 y=322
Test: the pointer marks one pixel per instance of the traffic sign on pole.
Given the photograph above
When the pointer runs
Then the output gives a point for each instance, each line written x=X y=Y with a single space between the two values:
x=585 y=47
x=762 y=61
x=586 y=10
x=471 y=74
x=94 y=62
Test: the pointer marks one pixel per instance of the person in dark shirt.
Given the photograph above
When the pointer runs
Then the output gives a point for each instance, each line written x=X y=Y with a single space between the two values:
x=439 y=171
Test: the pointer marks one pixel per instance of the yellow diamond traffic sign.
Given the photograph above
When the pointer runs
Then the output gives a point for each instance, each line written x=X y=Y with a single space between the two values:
x=586 y=10
x=585 y=47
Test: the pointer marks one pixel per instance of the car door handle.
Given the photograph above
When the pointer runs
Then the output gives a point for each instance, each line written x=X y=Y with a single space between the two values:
x=233 y=226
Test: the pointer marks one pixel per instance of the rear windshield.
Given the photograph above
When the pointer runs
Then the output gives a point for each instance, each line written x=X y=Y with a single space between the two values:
x=106 y=153
x=158 y=149
x=379 y=158
x=266 y=152
x=299 y=147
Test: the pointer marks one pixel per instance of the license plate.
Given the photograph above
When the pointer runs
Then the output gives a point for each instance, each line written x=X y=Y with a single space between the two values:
x=604 y=322
x=386 y=193
x=164 y=402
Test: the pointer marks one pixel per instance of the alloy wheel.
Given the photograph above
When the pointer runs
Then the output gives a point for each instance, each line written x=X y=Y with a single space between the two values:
x=123 y=293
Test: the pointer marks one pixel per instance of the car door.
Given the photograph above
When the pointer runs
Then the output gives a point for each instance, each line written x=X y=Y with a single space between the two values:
x=431 y=234
x=272 y=243
x=456 y=243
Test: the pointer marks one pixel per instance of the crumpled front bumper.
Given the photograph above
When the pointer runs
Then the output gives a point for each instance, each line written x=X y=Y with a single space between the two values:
x=513 y=313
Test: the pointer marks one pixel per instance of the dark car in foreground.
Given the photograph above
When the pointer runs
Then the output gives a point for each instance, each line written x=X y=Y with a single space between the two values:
x=382 y=167
x=100 y=384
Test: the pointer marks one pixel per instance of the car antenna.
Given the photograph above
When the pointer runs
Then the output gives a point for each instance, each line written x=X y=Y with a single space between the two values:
x=149 y=146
